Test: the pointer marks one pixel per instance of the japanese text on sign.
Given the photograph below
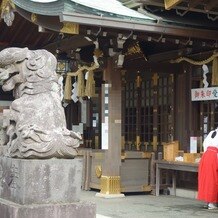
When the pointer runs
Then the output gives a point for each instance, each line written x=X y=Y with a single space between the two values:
x=204 y=94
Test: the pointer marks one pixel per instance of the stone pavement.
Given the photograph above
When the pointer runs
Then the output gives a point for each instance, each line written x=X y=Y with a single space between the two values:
x=148 y=206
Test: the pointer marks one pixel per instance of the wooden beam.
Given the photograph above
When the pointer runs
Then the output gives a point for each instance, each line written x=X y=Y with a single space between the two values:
x=92 y=20
x=19 y=30
x=3 y=43
x=210 y=5
x=171 y=3
x=160 y=3
x=193 y=3
x=169 y=55
x=68 y=44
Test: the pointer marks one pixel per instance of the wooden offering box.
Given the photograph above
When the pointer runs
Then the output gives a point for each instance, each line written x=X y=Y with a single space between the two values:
x=170 y=150
x=190 y=157
x=134 y=170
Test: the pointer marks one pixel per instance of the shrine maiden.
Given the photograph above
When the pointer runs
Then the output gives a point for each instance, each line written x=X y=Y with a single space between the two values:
x=208 y=171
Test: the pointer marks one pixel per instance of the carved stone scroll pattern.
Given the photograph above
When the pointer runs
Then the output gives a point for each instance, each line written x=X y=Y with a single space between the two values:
x=37 y=126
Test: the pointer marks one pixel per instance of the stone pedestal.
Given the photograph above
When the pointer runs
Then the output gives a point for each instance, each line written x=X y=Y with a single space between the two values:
x=42 y=188
x=73 y=210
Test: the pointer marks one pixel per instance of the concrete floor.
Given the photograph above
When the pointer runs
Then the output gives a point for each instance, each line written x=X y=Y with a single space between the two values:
x=146 y=206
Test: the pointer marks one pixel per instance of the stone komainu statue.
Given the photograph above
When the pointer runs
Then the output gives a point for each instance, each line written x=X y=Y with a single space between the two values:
x=36 y=125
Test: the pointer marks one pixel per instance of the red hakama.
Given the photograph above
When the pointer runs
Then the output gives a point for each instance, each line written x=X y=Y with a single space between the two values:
x=208 y=176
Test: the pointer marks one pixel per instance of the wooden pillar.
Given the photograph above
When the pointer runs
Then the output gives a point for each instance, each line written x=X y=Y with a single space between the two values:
x=111 y=131
x=138 y=111
x=155 y=108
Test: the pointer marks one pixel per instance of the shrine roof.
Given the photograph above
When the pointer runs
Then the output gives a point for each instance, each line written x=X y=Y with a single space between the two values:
x=110 y=8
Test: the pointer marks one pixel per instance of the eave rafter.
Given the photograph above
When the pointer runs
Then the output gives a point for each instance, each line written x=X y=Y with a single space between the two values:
x=201 y=6
x=192 y=4
x=92 y=20
x=210 y=5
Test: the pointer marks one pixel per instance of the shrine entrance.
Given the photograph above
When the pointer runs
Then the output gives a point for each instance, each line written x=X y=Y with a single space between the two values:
x=148 y=106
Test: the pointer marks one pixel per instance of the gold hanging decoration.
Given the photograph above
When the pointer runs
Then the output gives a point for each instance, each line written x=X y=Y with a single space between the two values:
x=6 y=5
x=138 y=81
x=215 y=72
x=155 y=78
x=68 y=88
x=70 y=28
x=34 y=17
x=7 y=8
x=135 y=49
x=80 y=78
x=169 y=4
x=81 y=85
x=90 y=85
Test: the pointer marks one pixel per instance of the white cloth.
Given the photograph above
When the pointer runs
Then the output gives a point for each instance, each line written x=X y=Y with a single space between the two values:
x=209 y=141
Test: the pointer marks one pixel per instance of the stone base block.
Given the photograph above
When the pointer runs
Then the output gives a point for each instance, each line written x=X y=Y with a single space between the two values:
x=49 y=181
x=74 y=210
x=109 y=195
